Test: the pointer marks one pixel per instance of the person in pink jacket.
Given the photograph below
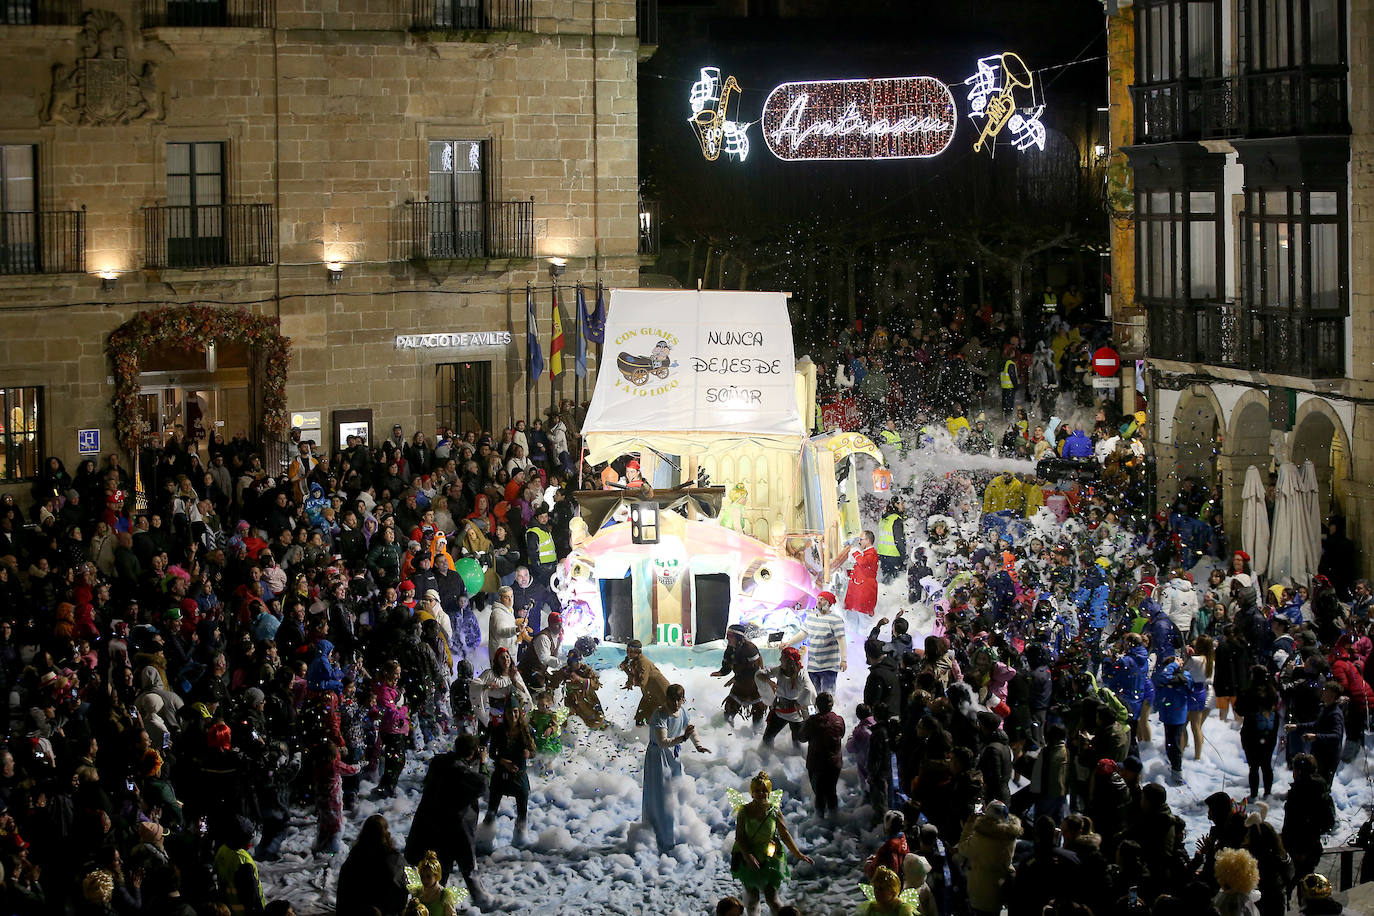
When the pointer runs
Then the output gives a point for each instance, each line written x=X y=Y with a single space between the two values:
x=393 y=726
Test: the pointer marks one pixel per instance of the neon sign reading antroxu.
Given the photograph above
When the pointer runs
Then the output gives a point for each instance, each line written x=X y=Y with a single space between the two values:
x=909 y=117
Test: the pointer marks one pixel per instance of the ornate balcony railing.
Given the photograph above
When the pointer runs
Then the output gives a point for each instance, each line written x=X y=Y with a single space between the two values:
x=209 y=14
x=40 y=12
x=222 y=235
x=1228 y=334
x=475 y=15
x=491 y=229
x=43 y=242
x=1298 y=101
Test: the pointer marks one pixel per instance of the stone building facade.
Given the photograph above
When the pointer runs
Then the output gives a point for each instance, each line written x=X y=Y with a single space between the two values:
x=363 y=171
x=1251 y=154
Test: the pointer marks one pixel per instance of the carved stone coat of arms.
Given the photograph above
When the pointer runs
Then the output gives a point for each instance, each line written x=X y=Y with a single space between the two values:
x=103 y=86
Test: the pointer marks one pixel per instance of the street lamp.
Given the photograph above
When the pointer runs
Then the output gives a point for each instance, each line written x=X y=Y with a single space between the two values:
x=558 y=267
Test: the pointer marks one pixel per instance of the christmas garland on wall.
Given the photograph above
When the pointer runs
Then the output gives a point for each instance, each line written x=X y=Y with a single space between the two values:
x=191 y=328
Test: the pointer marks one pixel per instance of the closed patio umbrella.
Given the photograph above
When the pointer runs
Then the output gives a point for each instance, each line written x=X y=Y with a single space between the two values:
x=1254 y=521
x=1286 y=538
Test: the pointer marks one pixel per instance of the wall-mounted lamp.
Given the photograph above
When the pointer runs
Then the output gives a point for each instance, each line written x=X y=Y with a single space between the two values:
x=335 y=269
x=1099 y=150
x=107 y=280
x=558 y=267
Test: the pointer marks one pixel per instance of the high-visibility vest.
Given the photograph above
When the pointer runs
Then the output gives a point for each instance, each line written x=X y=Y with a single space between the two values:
x=887 y=540
x=547 y=553
x=227 y=864
x=1006 y=374
x=890 y=437
x=1049 y=302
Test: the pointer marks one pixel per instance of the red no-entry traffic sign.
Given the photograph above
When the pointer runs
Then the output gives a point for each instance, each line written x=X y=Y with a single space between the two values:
x=1106 y=362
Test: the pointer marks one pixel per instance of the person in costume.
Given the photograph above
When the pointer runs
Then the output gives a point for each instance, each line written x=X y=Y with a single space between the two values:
x=743 y=663
x=758 y=860
x=732 y=513
x=862 y=595
x=886 y=897
x=644 y=674
x=425 y=884
x=547 y=724
x=668 y=730
x=793 y=697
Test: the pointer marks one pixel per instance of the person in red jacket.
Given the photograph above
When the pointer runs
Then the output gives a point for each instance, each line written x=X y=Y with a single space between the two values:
x=823 y=734
x=862 y=594
x=1345 y=670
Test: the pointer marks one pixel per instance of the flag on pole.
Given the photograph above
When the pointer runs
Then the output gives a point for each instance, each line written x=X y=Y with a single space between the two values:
x=556 y=348
x=533 y=353
x=594 y=322
x=581 y=365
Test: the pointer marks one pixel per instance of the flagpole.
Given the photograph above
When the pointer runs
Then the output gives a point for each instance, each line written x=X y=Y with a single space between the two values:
x=529 y=368
x=552 y=394
x=577 y=340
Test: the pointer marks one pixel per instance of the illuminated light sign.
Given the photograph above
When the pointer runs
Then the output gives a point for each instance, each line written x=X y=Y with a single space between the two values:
x=716 y=131
x=1002 y=96
x=458 y=340
x=909 y=117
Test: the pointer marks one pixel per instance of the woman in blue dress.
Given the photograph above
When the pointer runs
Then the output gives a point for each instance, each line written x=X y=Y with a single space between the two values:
x=668 y=729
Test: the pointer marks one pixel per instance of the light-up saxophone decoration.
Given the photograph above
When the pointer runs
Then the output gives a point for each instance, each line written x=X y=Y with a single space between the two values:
x=716 y=130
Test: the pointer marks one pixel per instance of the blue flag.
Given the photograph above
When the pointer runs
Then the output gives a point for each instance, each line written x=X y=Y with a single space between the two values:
x=532 y=351
x=594 y=323
x=581 y=364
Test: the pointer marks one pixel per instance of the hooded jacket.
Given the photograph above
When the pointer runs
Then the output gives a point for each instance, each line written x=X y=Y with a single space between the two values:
x=1173 y=685
x=1179 y=601
x=322 y=673
x=1128 y=677
x=985 y=850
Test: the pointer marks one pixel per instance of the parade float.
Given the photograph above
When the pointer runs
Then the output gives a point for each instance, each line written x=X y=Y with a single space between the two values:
x=737 y=515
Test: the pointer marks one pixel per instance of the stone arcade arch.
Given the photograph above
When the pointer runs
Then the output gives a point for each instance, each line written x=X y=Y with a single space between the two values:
x=1196 y=443
x=1247 y=443
x=1319 y=436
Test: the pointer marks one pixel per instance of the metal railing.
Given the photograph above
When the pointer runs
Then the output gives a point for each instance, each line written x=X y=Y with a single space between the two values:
x=479 y=15
x=1301 y=100
x=40 y=12
x=223 y=235
x=208 y=14
x=1301 y=343
x=649 y=227
x=476 y=229
x=1221 y=107
x=43 y=242
x=646 y=21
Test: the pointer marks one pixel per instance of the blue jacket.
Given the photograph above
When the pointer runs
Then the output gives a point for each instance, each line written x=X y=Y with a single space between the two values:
x=1293 y=611
x=1173 y=686
x=1091 y=597
x=1164 y=636
x=322 y=673
x=1078 y=445
x=1128 y=676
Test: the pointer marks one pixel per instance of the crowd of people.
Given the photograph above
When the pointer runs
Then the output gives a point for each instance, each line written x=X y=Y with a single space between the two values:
x=188 y=673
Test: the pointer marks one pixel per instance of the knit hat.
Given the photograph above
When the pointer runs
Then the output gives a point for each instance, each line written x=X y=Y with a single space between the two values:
x=555 y=621
x=828 y=597
x=791 y=653
x=999 y=810
x=253 y=696
x=432 y=595
x=1107 y=766
x=1243 y=579
x=406 y=585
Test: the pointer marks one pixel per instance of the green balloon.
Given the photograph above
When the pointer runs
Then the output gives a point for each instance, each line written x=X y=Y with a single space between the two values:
x=472 y=574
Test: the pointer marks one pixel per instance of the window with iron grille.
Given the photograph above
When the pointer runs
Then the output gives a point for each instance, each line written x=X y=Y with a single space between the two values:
x=195 y=197
x=458 y=176
x=1294 y=263
x=462 y=396
x=18 y=209
x=21 y=433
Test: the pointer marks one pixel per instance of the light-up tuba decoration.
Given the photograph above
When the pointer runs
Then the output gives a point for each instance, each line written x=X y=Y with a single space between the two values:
x=994 y=106
x=716 y=130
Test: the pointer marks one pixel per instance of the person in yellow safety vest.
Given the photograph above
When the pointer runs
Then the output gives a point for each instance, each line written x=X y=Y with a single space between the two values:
x=956 y=421
x=238 y=873
x=889 y=434
x=1003 y=493
x=540 y=555
x=891 y=542
x=1049 y=302
x=1009 y=382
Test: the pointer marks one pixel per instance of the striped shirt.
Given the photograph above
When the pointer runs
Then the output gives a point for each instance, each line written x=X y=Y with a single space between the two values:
x=823 y=635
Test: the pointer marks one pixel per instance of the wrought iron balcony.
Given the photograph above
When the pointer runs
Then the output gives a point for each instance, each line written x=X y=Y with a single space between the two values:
x=646 y=21
x=223 y=235
x=1303 y=100
x=473 y=15
x=40 y=12
x=648 y=227
x=43 y=242
x=454 y=229
x=209 y=14
x=1229 y=334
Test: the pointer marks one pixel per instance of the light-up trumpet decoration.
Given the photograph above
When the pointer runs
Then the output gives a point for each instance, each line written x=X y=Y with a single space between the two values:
x=993 y=103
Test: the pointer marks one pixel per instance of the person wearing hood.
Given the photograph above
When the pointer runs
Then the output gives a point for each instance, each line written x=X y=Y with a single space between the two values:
x=1173 y=687
x=1078 y=445
x=324 y=672
x=315 y=504
x=1179 y=601
x=986 y=847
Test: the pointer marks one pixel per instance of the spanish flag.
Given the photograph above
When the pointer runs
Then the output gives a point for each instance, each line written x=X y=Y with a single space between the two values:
x=556 y=348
